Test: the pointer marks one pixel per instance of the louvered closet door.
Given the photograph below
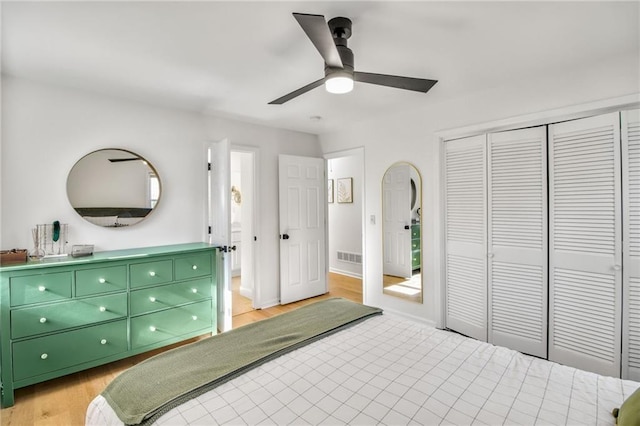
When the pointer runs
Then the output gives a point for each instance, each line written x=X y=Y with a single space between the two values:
x=631 y=237
x=585 y=244
x=465 y=229
x=517 y=238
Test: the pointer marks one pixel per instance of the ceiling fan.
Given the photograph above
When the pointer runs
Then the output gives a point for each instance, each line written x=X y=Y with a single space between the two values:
x=331 y=41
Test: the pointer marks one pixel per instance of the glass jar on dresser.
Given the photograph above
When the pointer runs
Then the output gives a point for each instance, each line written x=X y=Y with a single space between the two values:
x=64 y=315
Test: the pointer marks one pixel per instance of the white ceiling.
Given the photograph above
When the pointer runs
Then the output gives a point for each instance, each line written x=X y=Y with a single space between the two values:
x=232 y=58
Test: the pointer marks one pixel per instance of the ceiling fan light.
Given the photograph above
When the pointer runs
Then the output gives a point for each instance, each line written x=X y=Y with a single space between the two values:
x=339 y=85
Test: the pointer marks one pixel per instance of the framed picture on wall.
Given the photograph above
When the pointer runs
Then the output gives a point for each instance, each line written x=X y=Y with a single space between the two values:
x=330 y=190
x=345 y=190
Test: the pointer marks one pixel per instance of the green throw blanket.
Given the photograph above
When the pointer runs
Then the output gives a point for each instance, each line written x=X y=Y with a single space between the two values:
x=148 y=390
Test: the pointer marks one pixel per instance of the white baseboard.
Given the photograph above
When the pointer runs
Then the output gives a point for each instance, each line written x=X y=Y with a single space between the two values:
x=246 y=292
x=347 y=273
x=268 y=304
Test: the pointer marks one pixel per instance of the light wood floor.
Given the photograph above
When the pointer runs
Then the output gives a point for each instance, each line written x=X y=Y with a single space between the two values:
x=241 y=304
x=410 y=289
x=64 y=401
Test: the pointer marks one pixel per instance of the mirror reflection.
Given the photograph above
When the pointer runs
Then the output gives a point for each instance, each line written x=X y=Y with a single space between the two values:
x=402 y=259
x=113 y=187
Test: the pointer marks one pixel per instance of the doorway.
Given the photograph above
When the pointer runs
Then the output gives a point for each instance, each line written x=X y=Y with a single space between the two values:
x=232 y=225
x=243 y=233
x=345 y=217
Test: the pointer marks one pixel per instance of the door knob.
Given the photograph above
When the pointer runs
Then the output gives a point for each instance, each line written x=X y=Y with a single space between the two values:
x=407 y=227
x=285 y=236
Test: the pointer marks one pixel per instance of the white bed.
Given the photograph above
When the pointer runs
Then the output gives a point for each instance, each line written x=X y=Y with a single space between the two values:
x=393 y=371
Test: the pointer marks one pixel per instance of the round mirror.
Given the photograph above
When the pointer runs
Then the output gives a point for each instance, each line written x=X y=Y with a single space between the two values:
x=113 y=187
x=402 y=257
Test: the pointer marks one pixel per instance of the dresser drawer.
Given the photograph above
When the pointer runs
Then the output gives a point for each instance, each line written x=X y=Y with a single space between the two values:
x=101 y=280
x=415 y=259
x=162 y=297
x=58 y=316
x=196 y=265
x=415 y=231
x=40 y=288
x=50 y=353
x=151 y=273
x=171 y=323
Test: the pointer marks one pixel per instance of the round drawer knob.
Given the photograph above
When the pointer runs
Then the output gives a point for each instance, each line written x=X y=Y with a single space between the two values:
x=194 y=290
x=194 y=317
x=103 y=341
x=194 y=267
x=41 y=288
x=152 y=273
x=44 y=356
x=102 y=309
x=102 y=280
x=43 y=320
x=152 y=328
x=152 y=299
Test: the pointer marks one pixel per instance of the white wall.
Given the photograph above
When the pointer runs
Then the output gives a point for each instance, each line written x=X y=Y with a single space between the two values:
x=47 y=129
x=345 y=219
x=413 y=136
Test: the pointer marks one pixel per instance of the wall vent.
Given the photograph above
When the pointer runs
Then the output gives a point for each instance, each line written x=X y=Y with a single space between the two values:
x=350 y=257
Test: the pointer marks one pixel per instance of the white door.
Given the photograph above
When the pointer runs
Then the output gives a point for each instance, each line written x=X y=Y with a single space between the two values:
x=220 y=222
x=585 y=257
x=517 y=239
x=396 y=187
x=465 y=236
x=303 y=271
x=631 y=232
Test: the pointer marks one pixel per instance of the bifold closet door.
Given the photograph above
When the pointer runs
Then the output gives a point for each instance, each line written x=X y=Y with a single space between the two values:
x=517 y=239
x=465 y=236
x=631 y=231
x=585 y=259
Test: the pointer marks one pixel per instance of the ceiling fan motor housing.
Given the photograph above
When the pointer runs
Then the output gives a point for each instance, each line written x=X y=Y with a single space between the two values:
x=330 y=39
x=341 y=30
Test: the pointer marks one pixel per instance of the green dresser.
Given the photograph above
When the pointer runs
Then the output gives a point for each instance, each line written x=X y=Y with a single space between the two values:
x=63 y=315
x=415 y=247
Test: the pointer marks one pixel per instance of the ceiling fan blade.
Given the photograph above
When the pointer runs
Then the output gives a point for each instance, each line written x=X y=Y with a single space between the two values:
x=118 y=160
x=318 y=32
x=298 y=92
x=407 y=83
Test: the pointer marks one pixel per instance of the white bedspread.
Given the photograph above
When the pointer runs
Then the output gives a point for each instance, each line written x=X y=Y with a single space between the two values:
x=393 y=371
